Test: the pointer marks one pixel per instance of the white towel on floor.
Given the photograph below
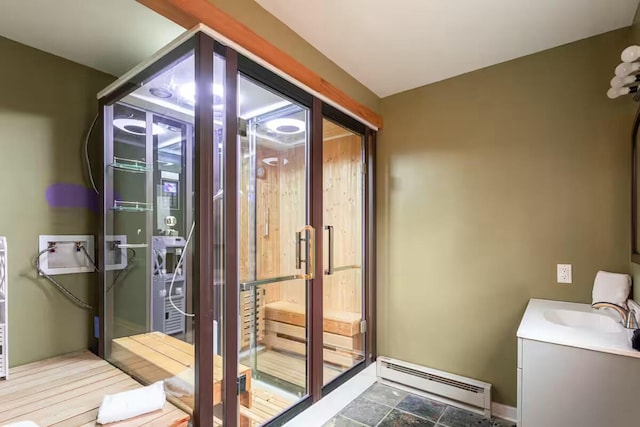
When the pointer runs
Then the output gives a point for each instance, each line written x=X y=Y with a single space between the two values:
x=611 y=287
x=129 y=404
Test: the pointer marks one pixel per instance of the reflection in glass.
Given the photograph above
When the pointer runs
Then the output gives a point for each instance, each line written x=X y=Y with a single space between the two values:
x=149 y=186
x=218 y=252
x=343 y=284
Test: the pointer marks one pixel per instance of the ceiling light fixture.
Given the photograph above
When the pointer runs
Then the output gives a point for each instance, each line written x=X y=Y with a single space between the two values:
x=264 y=110
x=286 y=126
x=160 y=92
x=187 y=92
x=136 y=127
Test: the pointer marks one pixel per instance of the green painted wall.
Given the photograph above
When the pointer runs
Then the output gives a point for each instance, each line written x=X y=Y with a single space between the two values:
x=46 y=106
x=487 y=181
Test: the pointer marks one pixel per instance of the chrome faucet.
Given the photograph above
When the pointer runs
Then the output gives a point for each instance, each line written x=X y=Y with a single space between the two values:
x=627 y=317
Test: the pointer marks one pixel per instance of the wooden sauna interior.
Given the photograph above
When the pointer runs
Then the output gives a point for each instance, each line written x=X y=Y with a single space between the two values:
x=268 y=248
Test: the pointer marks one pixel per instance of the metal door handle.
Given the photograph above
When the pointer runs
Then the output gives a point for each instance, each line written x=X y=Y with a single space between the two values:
x=329 y=270
x=309 y=261
x=299 y=259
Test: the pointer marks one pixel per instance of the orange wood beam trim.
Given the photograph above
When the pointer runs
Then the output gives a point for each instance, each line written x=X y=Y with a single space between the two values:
x=189 y=13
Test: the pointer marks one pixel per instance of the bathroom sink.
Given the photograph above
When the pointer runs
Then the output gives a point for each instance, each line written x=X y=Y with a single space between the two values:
x=583 y=320
x=576 y=325
x=568 y=354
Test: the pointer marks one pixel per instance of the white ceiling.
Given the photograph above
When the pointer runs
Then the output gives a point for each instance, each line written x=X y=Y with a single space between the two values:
x=389 y=46
x=109 y=35
x=393 y=46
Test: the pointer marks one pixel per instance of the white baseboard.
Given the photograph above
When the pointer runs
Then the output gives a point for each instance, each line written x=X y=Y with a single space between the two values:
x=504 y=412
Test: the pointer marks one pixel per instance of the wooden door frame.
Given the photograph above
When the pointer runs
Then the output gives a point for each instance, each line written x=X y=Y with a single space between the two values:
x=204 y=233
x=316 y=220
x=189 y=13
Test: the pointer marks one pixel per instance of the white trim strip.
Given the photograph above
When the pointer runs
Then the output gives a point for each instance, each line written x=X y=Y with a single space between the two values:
x=504 y=412
x=220 y=38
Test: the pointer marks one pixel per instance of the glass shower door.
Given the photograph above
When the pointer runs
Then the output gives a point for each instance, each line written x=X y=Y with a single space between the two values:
x=343 y=285
x=274 y=260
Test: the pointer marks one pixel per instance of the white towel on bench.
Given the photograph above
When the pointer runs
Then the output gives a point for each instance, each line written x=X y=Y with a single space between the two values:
x=21 y=424
x=129 y=404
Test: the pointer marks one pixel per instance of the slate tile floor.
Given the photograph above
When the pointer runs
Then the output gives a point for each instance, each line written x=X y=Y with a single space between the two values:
x=384 y=406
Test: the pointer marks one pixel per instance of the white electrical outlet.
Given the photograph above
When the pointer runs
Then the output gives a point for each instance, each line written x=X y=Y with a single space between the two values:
x=564 y=273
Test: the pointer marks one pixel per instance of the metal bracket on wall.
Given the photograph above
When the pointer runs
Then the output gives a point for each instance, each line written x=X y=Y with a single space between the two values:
x=241 y=384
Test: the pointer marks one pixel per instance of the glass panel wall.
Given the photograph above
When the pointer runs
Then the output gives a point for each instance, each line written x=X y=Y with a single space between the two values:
x=343 y=285
x=218 y=250
x=149 y=249
x=273 y=249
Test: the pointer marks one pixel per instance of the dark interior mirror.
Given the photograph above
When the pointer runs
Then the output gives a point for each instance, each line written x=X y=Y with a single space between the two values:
x=635 y=188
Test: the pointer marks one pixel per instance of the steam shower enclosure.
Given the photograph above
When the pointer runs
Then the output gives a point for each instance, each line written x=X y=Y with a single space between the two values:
x=236 y=235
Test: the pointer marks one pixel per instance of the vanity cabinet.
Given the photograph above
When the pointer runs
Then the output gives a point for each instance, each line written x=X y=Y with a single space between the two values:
x=562 y=386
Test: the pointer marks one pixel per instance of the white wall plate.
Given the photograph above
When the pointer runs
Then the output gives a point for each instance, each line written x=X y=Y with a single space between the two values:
x=66 y=258
x=115 y=255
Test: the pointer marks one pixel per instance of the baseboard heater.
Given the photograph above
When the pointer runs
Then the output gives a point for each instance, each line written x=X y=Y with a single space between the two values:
x=454 y=389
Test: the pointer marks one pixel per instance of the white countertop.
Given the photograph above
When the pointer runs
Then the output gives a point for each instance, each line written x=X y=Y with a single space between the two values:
x=536 y=326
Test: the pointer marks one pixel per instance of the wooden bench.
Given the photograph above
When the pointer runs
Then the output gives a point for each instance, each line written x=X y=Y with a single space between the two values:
x=66 y=391
x=285 y=330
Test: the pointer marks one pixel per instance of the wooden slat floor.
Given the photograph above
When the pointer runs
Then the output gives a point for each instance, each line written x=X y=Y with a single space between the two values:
x=266 y=405
x=289 y=367
x=66 y=391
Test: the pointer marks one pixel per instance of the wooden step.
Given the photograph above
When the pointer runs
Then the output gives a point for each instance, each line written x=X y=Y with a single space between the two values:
x=338 y=349
x=336 y=322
